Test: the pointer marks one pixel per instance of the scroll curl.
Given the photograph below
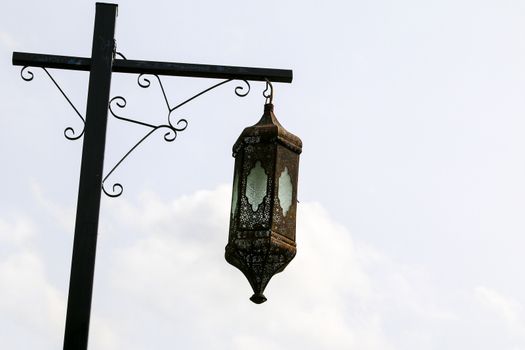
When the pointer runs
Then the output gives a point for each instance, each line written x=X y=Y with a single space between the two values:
x=172 y=126
x=69 y=132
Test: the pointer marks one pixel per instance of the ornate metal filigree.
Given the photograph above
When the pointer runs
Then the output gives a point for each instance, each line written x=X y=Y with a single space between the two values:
x=171 y=127
x=69 y=132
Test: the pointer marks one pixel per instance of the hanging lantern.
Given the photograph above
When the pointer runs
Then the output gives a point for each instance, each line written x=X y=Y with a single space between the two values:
x=261 y=241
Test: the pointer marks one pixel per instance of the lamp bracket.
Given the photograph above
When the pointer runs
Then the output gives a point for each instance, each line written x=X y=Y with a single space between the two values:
x=171 y=127
x=69 y=132
x=145 y=70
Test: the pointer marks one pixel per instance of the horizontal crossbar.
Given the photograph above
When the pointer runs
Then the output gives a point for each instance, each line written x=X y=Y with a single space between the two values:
x=159 y=68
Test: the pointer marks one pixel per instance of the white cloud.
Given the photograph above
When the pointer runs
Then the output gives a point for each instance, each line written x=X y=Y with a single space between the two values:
x=28 y=302
x=27 y=295
x=17 y=232
x=102 y=334
x=176 y=267
x=7 y=40
x=32 y=309
x=506 y=308
x=161 y=279
x=63 y=216
x=334 y=295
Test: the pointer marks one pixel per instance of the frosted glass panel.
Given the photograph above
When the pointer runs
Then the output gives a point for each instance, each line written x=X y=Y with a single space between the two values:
x=256 y=185
x=235 y=193
x=285 y=191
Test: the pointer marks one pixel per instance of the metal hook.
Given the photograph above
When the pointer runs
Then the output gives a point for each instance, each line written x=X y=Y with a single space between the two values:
x=268 y=96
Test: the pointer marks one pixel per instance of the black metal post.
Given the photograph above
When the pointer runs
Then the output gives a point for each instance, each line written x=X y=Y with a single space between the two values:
x=88 y=205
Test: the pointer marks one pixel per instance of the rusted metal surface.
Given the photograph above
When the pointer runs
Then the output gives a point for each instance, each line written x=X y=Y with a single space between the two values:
x=261 y=241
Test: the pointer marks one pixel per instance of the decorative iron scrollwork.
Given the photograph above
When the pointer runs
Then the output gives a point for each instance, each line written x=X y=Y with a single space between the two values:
x=69 y=132
x=171 y=127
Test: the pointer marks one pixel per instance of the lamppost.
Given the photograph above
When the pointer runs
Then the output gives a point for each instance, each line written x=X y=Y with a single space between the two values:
x=262 y=228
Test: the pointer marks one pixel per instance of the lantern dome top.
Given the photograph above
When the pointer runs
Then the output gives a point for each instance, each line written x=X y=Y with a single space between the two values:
x=268 y=129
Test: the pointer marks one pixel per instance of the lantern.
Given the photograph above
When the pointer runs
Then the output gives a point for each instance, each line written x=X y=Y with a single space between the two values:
x=261 y=240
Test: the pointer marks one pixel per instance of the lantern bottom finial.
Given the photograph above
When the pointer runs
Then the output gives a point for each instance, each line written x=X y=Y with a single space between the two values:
x=259 y=258
x=258 y=298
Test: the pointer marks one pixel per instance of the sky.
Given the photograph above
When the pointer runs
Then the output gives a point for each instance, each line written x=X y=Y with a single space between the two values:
x=410 y=226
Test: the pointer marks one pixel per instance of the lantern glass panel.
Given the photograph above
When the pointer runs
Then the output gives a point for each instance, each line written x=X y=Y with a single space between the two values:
x=285 y=191
x=235 y=193
x=256 y=185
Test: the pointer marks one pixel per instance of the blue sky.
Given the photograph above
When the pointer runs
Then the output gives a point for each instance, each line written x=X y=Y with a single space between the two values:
x=412 y=177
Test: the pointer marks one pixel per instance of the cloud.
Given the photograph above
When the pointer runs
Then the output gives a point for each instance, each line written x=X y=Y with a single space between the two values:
x=336 y=294
x=17 y=232
x=63 y=216
x=7 y=41
x=507 y=309
x=27 y=295
x=32 y=307
x=161 y=279
x=176 y=267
